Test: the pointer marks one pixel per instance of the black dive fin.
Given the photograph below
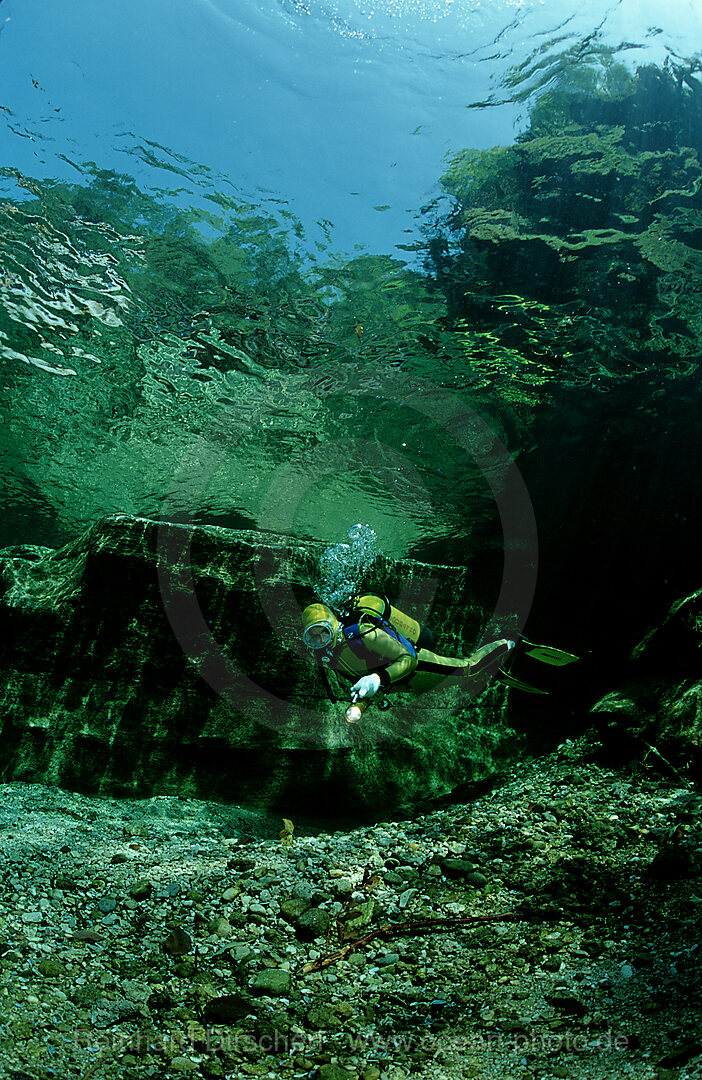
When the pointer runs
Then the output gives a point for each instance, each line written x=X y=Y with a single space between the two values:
x=517 y=684
x=547 y=654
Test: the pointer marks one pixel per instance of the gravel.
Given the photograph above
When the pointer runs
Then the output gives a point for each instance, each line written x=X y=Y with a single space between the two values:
x=550 y=928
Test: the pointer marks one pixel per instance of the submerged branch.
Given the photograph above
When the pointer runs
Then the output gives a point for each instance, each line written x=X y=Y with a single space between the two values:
x=411 y=926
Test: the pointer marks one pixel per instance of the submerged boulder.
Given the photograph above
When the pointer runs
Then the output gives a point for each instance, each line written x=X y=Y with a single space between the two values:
x=658 y=707
x=154 y=658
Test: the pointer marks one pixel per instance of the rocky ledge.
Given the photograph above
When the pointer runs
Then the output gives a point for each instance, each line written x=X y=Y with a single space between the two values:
x=656 y=712
x=550 y=928
x=151 y=658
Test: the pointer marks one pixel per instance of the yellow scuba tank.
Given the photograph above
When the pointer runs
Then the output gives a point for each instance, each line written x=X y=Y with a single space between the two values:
x=381 y=607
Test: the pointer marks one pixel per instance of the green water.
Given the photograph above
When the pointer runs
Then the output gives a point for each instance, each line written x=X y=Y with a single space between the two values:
x=205 y=365
x=168 y=363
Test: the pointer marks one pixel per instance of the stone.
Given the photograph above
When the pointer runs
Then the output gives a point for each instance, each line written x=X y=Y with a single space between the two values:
x=480 y=980
x=275 y=982
x=566 y=1003
x=87 y=934
x=183 y=1065
x=312 y=924
x=657 y=706
x=221 y=927
x=457 y=868
x=65 y=882
x=212 y=1068
x=322 y=1018
x=671 y=863
x=387 y=959
x=141 y=890
x=226 y=1009
x=359 y=916
x=292 y=908
x=242 y=953
x=51 y=968
x=681 y=1056
x=178 y=942
x=331 y=1071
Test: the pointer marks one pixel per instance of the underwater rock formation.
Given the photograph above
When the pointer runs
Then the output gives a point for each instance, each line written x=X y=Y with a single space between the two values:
x=658 y=710
x=579 y=246
x=571 y=262
x=148 y=658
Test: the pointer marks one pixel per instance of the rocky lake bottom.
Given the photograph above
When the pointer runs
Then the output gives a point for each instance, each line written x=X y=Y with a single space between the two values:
x=551 y=927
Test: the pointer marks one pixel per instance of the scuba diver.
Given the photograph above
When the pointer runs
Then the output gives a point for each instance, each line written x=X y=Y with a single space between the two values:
x=377 y=645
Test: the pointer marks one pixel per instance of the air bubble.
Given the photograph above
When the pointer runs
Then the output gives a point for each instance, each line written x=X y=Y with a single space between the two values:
x=344 y=567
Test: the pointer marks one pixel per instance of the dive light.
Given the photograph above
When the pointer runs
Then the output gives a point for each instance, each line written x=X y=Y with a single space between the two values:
x=355 y=711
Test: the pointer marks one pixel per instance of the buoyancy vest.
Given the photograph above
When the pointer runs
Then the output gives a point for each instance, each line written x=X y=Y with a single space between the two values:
x=366 y=610
x=380 y=613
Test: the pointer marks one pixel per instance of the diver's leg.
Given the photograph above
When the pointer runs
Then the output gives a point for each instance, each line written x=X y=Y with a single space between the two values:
x=489 y=657
x=433 y=669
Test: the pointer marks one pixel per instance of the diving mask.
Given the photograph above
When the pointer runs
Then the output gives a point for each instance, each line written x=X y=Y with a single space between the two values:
x=318 y=636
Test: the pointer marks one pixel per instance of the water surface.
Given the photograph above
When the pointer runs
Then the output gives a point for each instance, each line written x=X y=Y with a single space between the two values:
x=233 y=260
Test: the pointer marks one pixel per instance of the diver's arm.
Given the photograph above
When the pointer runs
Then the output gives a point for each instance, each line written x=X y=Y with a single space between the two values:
x=394 y=661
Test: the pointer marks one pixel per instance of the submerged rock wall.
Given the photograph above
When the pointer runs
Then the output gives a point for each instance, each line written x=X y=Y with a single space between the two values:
x=165 y=659
x=571 y=264
x=656 y=712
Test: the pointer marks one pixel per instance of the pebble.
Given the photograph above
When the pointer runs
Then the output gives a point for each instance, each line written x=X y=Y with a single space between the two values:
x=274 y=981
x=221 y=927
x=457 y=868
x=178 y=942
x=292 y=908
x=387 y=958
x=330 y=1071
x=226 y=1009
x=323 y=1018
x=141 y=890
x=202 y=935
x=313 y=923
x=51 y=968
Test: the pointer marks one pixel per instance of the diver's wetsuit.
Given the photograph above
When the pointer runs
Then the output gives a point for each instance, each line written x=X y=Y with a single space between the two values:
x=397 y=668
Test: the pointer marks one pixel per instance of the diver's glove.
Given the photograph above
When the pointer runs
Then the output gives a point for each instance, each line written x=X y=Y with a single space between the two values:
x=365 y=687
